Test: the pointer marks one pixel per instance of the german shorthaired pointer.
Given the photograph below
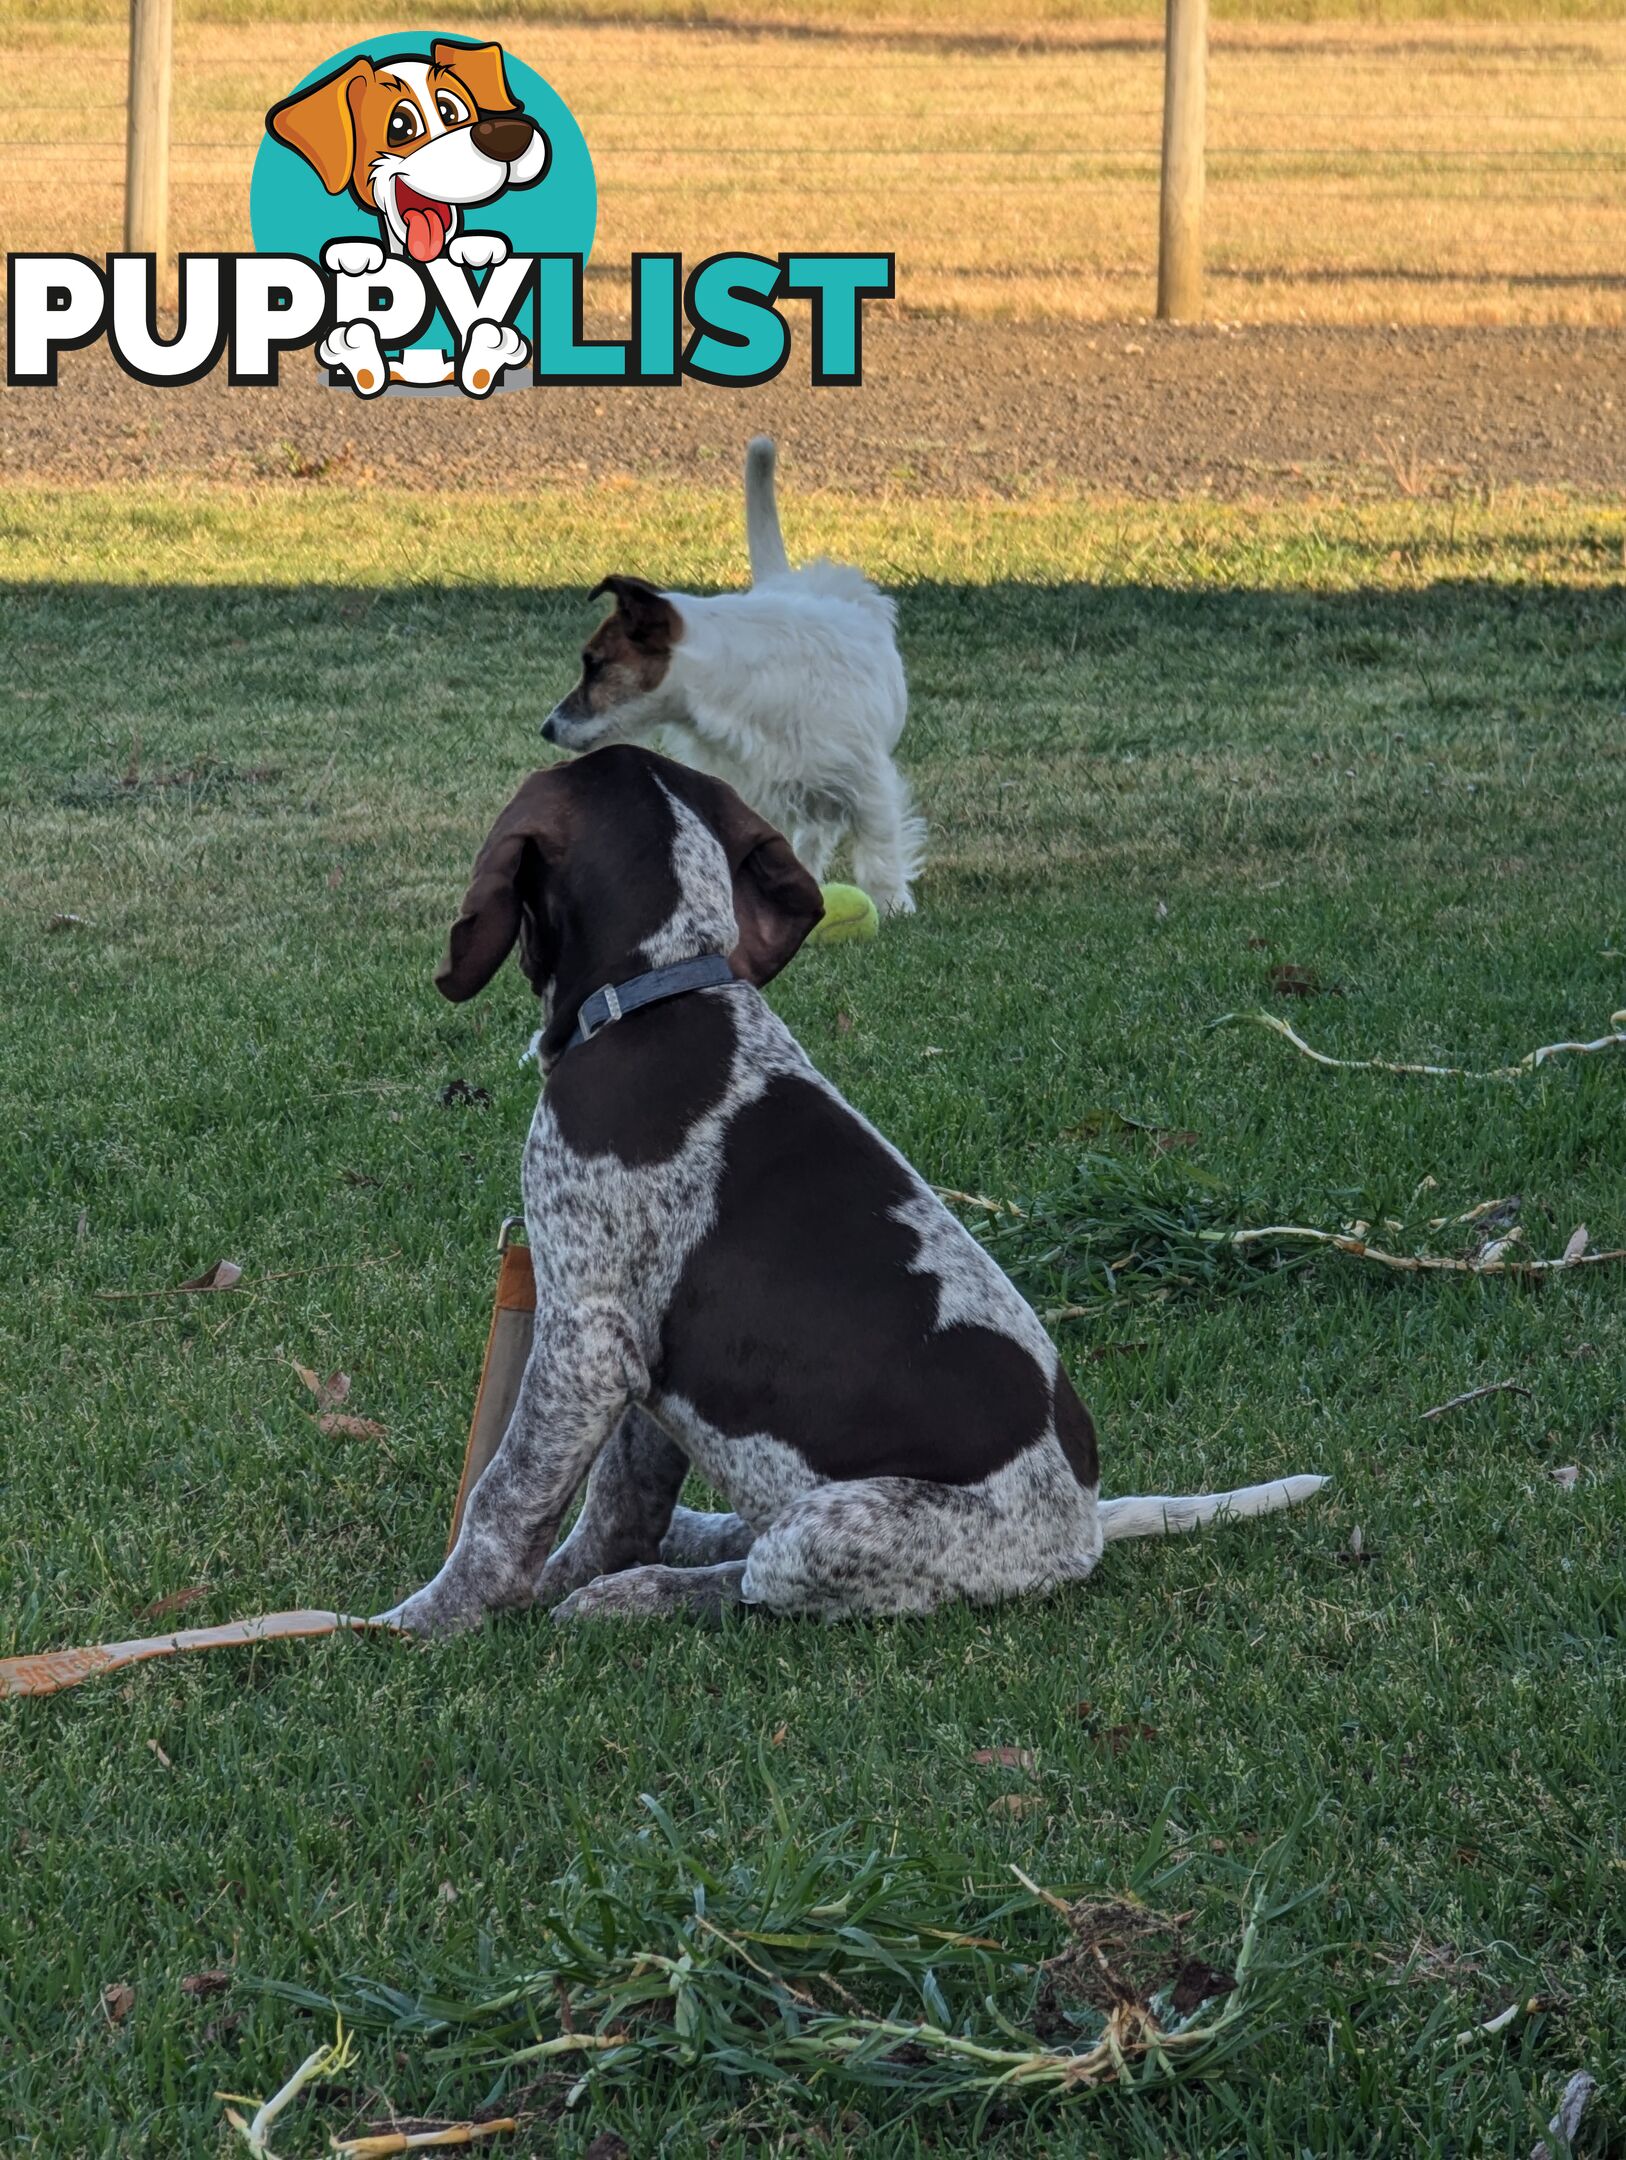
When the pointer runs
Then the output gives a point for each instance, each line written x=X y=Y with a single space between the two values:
x=736 y=1274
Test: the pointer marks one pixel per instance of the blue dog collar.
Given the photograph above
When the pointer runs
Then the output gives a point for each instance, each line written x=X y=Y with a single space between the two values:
x=709 y=972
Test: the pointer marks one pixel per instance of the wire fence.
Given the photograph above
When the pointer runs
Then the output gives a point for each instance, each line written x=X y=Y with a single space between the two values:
x=1477 y=173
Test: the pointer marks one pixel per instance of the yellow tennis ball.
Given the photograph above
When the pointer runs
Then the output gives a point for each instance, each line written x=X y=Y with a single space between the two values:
x=850 y=917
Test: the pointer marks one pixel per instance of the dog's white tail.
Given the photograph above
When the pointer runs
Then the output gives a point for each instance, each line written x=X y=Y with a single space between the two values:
x=762 y=534
x=1156 y=1515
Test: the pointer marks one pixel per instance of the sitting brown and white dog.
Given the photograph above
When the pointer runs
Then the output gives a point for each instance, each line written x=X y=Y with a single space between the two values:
x=736 y=1274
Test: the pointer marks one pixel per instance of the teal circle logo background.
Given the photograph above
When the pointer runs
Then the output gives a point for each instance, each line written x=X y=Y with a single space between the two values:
x=291 y=213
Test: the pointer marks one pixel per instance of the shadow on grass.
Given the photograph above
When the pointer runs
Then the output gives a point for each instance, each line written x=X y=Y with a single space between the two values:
x=117 y=693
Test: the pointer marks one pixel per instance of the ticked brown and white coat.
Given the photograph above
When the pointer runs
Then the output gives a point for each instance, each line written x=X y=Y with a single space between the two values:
x=736 y=1274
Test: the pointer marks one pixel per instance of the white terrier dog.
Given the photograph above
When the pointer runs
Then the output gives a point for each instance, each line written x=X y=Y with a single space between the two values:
x=792 y=692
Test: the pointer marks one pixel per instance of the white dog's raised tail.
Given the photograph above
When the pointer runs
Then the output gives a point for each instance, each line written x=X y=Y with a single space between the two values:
x=763 y=539
x=1157 y=1515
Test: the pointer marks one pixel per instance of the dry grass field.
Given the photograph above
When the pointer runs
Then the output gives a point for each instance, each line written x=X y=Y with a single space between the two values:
x=1361 y=171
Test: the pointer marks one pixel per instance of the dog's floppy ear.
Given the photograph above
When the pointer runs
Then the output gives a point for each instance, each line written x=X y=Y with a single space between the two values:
x=320 y=123
x=479 y=68
x=504 y=887
x=651 y=621
x=776 y=900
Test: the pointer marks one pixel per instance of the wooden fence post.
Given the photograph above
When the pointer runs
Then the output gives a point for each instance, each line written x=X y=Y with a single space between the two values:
x=1185 y=99
x=146 y=156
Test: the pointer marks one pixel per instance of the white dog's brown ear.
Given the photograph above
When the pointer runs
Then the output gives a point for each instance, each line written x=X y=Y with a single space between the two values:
x=320 y=123
x=649 y=618
x=479 y=68
x=505 y=893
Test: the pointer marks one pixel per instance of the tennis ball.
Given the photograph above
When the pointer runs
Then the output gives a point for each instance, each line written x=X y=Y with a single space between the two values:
x=849 y=917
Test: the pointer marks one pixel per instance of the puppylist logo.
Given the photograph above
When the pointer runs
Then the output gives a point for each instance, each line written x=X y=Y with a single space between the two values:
x=422 y=210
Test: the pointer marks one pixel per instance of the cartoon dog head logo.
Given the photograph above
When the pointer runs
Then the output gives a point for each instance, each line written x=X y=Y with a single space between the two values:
x=425 y=175
x=417 y=140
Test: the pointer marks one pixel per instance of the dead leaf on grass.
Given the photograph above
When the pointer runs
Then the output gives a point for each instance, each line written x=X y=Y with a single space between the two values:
x=118 y=2000
x=1577 y=1244
x=1094 y=1124
x=330 y=1392
x=341 y=1426
x=177 y=1601
x=1288 y=979
x=224 y=1275
x=1007 y=1758
x=206 y=1983
x=161 y=1758
x=1016 y=1804
x=1566 y=1478
x=1117 y=1738
x=459 y=1091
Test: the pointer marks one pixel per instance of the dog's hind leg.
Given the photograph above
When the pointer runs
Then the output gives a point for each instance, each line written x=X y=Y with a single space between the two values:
x=697 y=1540
x=584 y=1370
x=884 y=1545
x=629 y=1513
x=650 y=1593
x=889 y=841
x=702 y=1559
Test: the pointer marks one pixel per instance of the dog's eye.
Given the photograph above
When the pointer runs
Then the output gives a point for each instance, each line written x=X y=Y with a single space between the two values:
x=590 y=663
x=451 y=109
x=404 y=123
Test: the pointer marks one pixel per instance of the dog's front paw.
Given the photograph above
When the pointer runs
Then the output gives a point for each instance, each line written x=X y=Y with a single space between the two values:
x=478 y=250
x=353 y=258
x=355 y=348
x=491 y=347
x=434 y=1618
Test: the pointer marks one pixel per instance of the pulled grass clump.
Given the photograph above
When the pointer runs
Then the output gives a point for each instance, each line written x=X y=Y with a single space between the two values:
x=838 y=1966
x=1120 y=1227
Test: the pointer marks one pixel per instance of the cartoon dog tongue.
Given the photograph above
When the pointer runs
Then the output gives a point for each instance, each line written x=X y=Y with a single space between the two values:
x=424 y=233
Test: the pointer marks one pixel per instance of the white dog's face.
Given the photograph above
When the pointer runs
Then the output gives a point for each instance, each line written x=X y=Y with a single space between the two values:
x=623 y=694
x=419 y=140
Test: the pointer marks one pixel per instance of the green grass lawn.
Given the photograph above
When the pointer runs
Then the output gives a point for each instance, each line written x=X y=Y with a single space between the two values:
x=250 y=745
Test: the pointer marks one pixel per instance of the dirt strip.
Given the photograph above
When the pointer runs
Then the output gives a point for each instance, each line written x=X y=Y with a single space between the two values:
x=947 y=407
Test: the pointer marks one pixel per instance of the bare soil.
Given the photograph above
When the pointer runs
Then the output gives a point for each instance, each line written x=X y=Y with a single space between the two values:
x=946 y=407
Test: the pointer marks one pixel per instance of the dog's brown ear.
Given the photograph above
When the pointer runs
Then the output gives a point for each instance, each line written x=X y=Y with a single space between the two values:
x=320 y=123
x=651 y=621
x=479 y=68
x=776 y=900
x=505 y=891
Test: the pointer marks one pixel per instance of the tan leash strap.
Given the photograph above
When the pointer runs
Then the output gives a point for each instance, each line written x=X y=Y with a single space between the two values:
x=507 y=1348
x=46 y=1672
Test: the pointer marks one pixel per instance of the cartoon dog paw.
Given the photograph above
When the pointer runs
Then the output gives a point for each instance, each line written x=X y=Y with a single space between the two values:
x=354 y=258
x=355 y=348
x=491 y=347
x=478 y=250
